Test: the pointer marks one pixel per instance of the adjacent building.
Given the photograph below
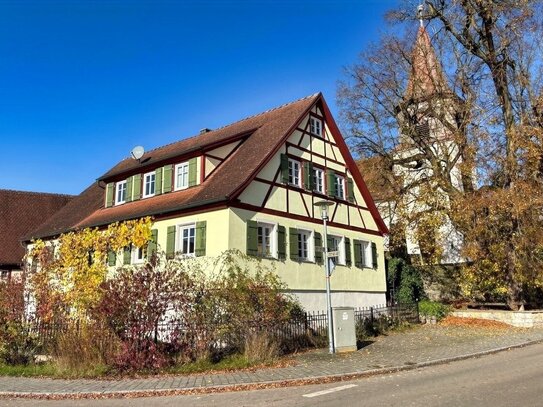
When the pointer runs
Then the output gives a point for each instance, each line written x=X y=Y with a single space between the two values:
x=20 y=213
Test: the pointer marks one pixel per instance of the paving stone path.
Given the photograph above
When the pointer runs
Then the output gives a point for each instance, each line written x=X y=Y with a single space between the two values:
x=422 y=344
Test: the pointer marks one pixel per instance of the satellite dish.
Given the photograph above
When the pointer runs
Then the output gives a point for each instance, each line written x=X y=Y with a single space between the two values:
x=137 y=152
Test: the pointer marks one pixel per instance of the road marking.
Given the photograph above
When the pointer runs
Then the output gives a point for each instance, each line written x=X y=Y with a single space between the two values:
x=332 y=390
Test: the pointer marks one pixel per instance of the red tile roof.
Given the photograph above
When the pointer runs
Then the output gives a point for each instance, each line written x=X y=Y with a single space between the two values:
x=262 y=131
x=262 y=134
x=20 y=213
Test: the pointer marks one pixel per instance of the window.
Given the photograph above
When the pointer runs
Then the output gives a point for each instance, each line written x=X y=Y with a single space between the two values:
x=318 y=180
x=305 y=245
x=316 y=126
x=340 y=187
x=336 y=243
x=182 y=176
x=265 y=240
x=365 y=254
x=294 y=177
x=186 y=240
x=138 y=254
x=120 y=195
x=149 y=184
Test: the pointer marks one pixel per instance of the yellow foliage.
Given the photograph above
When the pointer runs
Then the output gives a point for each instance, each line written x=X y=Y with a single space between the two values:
x=71 y=277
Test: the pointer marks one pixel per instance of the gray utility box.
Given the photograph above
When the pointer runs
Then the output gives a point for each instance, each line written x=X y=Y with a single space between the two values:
x=344 y=329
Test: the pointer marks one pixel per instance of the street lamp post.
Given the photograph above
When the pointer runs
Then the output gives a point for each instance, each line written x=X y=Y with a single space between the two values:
x=323 y=205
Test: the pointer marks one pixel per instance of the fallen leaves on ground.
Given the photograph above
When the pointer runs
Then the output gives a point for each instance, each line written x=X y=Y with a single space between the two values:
x=473 y=322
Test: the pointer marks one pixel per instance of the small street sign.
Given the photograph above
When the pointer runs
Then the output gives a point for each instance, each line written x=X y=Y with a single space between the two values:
x=335 y=253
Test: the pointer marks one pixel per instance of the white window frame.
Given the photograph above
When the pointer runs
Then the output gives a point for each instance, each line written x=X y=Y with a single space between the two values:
x=340 y=186
x=315 y=126
x=179 y=239
x=137 y=255
x=185 y=167
x=117 y=188
x=294 y=172
x=340 y=260
x=146 y=176
x=272 y=238
x=318 y=186
x=310 y=245
x=365 y=247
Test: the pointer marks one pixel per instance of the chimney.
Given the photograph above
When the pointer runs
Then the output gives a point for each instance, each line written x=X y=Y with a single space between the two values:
x=204 y=130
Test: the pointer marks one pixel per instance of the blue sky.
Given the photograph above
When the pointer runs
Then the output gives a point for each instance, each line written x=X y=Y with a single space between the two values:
x=82 y=82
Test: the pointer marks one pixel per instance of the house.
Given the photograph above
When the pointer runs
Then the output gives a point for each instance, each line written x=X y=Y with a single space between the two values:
x=20 y=213
x=251 y=185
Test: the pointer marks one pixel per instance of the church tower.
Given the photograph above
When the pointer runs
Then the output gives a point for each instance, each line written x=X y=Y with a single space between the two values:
x=429 y=155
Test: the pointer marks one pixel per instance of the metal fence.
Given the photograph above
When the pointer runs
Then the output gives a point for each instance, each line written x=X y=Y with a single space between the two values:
x=397 y=313
x=308 y=329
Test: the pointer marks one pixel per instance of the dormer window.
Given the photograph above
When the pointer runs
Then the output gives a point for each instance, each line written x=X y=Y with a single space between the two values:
x=315 y=126
x=182 y=176
x=120 y=192
x=149 y=184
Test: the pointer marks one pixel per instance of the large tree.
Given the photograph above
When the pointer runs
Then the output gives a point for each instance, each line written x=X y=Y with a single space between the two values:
x=483 y=172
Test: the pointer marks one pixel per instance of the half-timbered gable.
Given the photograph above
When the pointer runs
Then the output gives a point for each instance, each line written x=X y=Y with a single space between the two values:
x=252 y=186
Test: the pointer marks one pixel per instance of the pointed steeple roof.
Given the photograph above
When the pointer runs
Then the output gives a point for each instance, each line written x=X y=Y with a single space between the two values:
x=426 y=78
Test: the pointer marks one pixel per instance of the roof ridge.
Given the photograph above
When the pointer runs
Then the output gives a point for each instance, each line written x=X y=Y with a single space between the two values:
x=35 y=192
x=237 y=121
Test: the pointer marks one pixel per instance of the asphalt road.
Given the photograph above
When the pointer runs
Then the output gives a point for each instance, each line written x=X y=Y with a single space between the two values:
x=512 y=378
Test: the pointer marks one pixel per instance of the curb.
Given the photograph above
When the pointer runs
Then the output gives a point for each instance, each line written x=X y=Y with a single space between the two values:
x=126 y=394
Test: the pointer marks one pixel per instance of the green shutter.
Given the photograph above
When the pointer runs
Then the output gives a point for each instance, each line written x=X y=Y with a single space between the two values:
x=152 y=244
x=192 y=172
x=374 y=255
x=284 y=168
x=350 y=189
x=170 y=242
x=306 y=175
x=310 y=170
x=110 y=191
x=331 y=183
x=293 y=243
x=348 y=260
x=318 y=248
x=126 y=255
x=158 y=181
x=129 y=183
x=167 y=174
x=111 y=258
x=357 y=253
x=136 y=182
x=200 y=249
x=281 y=243
x=252 y=238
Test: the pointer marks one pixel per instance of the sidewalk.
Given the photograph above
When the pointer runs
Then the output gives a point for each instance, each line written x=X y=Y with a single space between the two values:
x=405 y=350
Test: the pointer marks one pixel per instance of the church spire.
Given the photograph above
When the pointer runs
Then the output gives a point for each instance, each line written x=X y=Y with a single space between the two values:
x=426 y=78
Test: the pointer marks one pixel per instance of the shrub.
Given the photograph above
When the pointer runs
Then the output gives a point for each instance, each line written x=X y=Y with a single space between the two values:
x=260 y=347
x=367 y=328
x=19 y=346
x=434 y=309
x=407 y=281
x=84 y=347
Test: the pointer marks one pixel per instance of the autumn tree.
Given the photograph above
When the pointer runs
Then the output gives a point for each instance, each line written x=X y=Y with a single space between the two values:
x=475 y=75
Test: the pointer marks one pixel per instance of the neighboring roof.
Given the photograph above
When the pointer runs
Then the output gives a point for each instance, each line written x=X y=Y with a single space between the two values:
x=262 y=135
x=426 y=78
x=378 y=176
x=20 y=213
